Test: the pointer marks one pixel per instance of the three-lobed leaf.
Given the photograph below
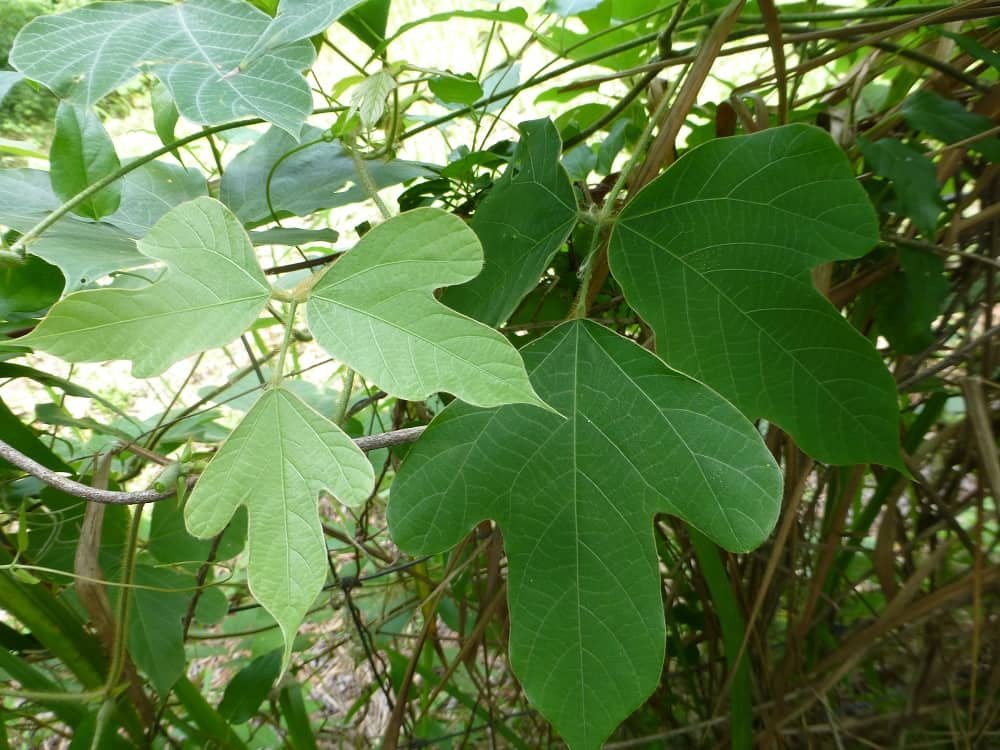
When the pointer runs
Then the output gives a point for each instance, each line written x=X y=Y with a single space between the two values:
x=716 y=256
x=210 y=292
x=575 y=497
x=375 y=310
x=275 y=464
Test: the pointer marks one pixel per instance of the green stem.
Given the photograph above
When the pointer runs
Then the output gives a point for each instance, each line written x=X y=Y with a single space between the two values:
x=36 y=231
x=345 y=398
x=279 y=368
x=608 y=209
x=367 y=184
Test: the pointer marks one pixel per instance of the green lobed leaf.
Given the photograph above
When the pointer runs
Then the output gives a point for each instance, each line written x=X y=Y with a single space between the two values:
x=375 y=310
x=199 y=49
x=81 y=154
x=275 y=463
x=83 y=250
x=913 y=179
x=211 y=270
x=319 y=176
x=575 y=497
x=716 y=255
x=522 y=222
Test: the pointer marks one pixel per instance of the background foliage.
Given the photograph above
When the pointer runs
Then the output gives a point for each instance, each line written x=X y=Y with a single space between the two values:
x=540 y=566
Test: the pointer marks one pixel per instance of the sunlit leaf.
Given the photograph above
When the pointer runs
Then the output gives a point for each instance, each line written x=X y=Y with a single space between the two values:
x=275 y=463
x=375 y=310
x=575 y=497
x=211 y=271
x=716 y=256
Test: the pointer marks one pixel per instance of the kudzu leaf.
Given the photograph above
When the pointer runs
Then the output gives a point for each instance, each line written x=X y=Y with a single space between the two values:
x=211 y=291
x=275 y=463
x=455 y=88
x=375 y=310
x=81 y=154
x=524 y=219
x=575 y=497
x=199 y=49
x=716 y=256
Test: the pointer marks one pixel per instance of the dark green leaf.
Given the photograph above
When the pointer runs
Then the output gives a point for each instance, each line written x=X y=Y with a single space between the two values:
x=909 y=301
x=716 y=256
x=522 y=222
x=155 y=633
x=27 y=289
x=949 y=122
x=913 y=179
x=575 y=497
x=249 y=687
x=81 y=154
x=368 y=21
x=293 y=708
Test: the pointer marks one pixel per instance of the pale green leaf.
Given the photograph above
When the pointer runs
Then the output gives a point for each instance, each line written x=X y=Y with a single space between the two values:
x=83 y=250
x=300 y=19
x=522 y=222
x=275 y=463
x=375 y=310
x=716 y=256
x=211 y=271
x=8 y=80
x=199 y=49
x=151 y=191
x=317 y=177
x=575 y=497
x=81 y=154
x=368 y=97
x=570 y=7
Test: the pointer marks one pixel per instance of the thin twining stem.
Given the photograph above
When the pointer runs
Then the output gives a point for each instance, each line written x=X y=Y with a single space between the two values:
x=64 y=484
